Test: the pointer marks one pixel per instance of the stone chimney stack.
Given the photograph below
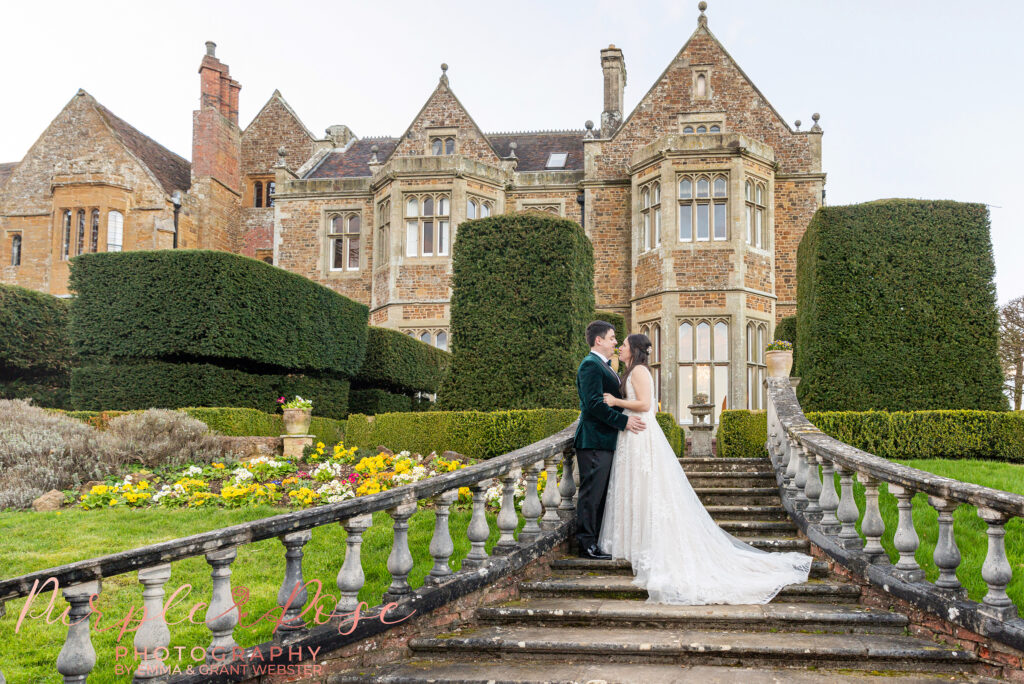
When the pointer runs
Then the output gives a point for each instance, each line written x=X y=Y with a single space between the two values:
x=217 y=89
x=614 y=67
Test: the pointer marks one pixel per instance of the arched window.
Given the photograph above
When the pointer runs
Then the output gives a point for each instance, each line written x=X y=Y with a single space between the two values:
x=703 y=208
x=425 y=337
x=437 y=147
x=654 y=334
x=715 y=129
x=427 y=230
x=16 y=249
x=442 y=340
x=344 y=241
x=115 y=231
x=650 y=215
x=485 y=209
x=80 y=242
x=449 y=145
x=94 y=236
x=257 y=194
x=702 y=129
x=65 y=250
x=471 y=209
x=384 y=231
x=685 y=209
x=702 y=88
x=703 y=365
x=270 y=193
x=757 y=336
x=756 y=194
x=688 y=129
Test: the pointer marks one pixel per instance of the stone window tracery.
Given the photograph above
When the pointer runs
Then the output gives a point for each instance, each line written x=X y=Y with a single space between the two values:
x=755 y=193
x=427 y=225
x=653 y=332
x=80 y=242
x=435 y=337
x=703 y=208
x=343 y=239
x=257 y=194
x=478 y=208
x=115 y=231
x=94 y=233
x=16 y=249
x=650 y=215
x=703 y=364
x=66 y=235
x=442 y=145
x=757 y=336
x=383 y=232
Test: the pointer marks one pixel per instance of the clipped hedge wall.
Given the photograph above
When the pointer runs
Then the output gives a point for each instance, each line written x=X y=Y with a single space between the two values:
x=742 y=434
x=897 y=435
x=522 y=296
x=471 y=433
x=212 y=305
x=35 y=350
x=618 y=320
x=674 y=433
x=896 y=308
x=163 y=384
x=401 y=364
x=372 y=401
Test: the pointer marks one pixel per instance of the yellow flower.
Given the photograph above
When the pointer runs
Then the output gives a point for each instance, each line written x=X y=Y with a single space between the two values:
x=319 y=445
x=113 y=502
x=218 y=466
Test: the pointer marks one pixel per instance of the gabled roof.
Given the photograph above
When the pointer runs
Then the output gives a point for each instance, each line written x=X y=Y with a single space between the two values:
x=276 y=95
x=6 y=170
x=170 y=170
x=354 y=160
x=534 y=147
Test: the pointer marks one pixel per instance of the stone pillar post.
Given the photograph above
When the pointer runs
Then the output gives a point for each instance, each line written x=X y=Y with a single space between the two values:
x=700 y=431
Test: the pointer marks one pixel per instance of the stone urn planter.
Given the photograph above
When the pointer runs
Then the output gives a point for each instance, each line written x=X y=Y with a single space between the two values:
x=296 y=421
x=780 y=363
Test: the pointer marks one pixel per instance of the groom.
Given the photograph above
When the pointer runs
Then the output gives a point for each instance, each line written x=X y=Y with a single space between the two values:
x=598 y=429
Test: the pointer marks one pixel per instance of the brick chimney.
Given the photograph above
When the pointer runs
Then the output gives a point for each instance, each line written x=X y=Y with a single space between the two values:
x=614 y=67
x=216 y=138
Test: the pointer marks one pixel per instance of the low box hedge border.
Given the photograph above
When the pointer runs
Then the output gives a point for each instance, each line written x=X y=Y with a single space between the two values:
x=370 y=402
x=674 y=433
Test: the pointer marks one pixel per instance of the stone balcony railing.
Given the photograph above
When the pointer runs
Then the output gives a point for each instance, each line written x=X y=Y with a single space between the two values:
x=829 y=519
x=549 y=519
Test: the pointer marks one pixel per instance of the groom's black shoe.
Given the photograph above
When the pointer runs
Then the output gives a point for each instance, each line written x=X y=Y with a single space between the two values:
x=594 y=553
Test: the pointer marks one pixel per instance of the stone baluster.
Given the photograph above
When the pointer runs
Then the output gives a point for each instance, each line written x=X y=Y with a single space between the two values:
x=800 y=478
x=792 y=465
x=996 y=570
x=567 y=487
x=812 y=487
x=400 y=559
x=872 y=525
x=531 y=505
x=508 y=519
x=478 y=530
x=293 y=582
x=77 y=657
x=153 y=634
x=906 y=540
x=829 y=500
x=551 y=497
x=441 y=544
x=350 y=576
x=782 y=448
x=847 y=513
x=222 y=615
x=946 y=555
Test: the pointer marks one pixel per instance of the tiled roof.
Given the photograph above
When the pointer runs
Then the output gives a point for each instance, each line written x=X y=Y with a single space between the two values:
x=173 y=172
x=5 y=172
x=534 y=148
x=353 y=162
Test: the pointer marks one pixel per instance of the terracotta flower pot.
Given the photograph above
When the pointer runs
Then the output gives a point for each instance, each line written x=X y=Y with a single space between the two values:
x=296 y=421
x=780 y=363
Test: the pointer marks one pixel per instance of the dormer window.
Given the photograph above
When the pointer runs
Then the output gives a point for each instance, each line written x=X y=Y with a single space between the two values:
x=556 y=160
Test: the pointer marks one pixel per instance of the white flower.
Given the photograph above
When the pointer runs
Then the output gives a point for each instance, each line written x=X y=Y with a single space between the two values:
x=241 y=474
x=335 y=491
x=193 y=470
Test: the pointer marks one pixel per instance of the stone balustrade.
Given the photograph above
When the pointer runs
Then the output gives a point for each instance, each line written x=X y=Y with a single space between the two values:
x=549 y=520
x=806 y=461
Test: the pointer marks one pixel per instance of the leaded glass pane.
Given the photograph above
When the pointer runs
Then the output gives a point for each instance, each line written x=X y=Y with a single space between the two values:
x=719 y=187
x=442 y=238
x=436 y=147
x=353 y=254
x=412 y=207
x=703 y=187
x=703 y=211
x=412 y=238
x=428 y=238
x=428 y=206
x=657 y=226
x=703 y=342
x=685 y=392
x=485 y=210
x=470 y=209
x=353 y=224
x=442 y=206
x=685 y=222
x=656 y=192
x=449 y=146
x=721 y=341
x=645 y=198
x=338 y=258
x=720 y=221
x=685 y=342
x=721 y=390
x=685 y=189
x=442 y=340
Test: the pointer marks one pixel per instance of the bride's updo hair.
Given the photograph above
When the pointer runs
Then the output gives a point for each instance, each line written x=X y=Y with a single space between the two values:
x=640 y=351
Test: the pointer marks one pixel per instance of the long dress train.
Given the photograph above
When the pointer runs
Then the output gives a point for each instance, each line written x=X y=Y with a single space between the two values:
x=654 y=519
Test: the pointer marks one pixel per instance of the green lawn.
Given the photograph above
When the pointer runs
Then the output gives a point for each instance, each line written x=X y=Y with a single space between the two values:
x=35 y=541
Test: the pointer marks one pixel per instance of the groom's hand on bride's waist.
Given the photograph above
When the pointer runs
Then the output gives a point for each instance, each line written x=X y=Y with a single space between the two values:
x=635 y=424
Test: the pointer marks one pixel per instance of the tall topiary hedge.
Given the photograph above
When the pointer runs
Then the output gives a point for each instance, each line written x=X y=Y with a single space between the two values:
x=896 y=308
x=35 y=351
x=401 y=364
x=522 y=295
x=618 y=320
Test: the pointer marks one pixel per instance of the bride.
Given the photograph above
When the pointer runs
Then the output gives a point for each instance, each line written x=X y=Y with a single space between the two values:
x=654 y=519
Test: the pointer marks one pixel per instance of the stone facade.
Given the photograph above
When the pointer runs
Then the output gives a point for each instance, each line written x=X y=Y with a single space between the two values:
x=695 y=203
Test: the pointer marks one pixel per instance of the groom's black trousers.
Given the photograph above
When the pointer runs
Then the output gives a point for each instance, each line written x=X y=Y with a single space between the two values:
x=595 y=466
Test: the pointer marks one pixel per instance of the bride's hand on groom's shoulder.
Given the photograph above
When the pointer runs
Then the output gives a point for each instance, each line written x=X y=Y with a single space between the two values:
x=610 y=399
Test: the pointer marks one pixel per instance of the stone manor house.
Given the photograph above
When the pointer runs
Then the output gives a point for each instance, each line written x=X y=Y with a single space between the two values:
x=695 y=202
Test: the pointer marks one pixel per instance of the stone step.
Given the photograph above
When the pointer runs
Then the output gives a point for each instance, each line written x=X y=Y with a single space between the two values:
x=806 y=617
x=424 y=671
x=724 y=465
x=748 y=512
x=573 y=565
x=621 y=586
x=755 y=479
x=869 y=652
x=759 y=528
x=738 y=496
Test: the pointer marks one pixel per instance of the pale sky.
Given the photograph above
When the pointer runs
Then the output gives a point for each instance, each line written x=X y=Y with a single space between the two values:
x=917 y=98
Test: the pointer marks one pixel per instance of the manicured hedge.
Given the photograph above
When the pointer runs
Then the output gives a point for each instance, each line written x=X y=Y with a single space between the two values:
x=896 y=308
x=898 y=435
x=471 y=433
x=35 y=351
x=522 y=296
x=618 y=320
x=672 y=431
x=209 y=305
x=372 y=401
x=742 y=434
x=162 y=384
x=400 y=363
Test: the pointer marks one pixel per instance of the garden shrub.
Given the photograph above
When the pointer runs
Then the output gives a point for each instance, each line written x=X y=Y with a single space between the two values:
x=618 y=320
x=400 y=364
x=742 y=434
x=896 y=308
x=522 y=296
x=470 y=433
x=35 y=350
x=159 y=437
x=672 y=431
x=42 y=450
x=372 y=401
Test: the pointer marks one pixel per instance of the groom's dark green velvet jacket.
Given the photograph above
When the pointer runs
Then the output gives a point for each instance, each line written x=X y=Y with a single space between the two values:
x=600 y=424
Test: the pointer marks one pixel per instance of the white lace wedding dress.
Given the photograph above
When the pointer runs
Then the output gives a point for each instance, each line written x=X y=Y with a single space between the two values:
x=653 y=518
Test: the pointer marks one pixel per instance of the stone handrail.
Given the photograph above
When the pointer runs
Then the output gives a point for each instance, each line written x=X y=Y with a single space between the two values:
x=548 y=520
x=829 y=519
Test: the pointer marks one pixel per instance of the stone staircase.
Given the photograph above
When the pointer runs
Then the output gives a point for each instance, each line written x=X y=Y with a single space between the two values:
x=586 y=622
